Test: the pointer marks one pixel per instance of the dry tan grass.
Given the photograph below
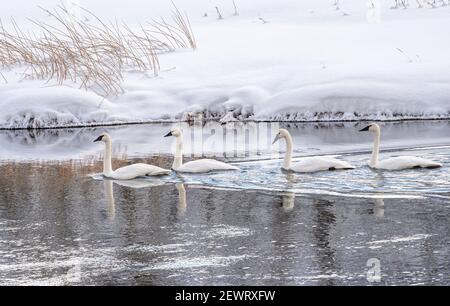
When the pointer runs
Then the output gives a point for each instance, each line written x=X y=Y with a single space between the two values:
x=92 y=54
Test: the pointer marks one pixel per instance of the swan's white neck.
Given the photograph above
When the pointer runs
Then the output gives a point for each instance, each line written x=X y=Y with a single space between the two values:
x=107 y=166
x=289 y=149
x=376 y=149
x=178 y=160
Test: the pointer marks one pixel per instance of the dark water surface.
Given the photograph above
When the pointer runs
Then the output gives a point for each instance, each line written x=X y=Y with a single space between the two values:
x=256 y=226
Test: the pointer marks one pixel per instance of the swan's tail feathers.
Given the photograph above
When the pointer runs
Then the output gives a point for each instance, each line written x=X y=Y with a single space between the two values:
x=158 y=172
x=433 y=165
x=426 y=163
x=346 y=166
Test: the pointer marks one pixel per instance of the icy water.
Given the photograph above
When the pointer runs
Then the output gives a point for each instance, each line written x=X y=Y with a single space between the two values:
x=62 y=224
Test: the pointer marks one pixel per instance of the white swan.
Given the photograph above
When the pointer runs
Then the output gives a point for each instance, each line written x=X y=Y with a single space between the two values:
x=378 y=209
x=195 y=166
x=394 y=163
x=308 y=164
x=288 y=201
x=127 y=172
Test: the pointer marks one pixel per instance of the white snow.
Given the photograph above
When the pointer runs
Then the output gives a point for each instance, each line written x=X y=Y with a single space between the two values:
x=401 y=239
x=306 y=62
x=53 y=106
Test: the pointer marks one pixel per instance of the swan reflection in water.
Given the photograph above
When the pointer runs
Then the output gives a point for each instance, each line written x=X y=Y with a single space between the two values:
x=288 y=201
x=181 y=208
x=378 y=209
x=137 y=184
x=109 y=194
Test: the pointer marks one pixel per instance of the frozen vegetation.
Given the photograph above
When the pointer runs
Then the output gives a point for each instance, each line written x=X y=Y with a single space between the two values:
x=310 y=60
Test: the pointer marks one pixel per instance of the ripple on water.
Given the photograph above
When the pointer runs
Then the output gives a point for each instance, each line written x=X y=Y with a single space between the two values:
x=197 y=262
x=400 y=239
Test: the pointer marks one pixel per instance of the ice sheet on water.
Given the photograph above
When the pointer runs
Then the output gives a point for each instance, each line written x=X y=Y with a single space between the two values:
x=266 y=175
x=197 y=262
x=400 y=239
x=360 y=182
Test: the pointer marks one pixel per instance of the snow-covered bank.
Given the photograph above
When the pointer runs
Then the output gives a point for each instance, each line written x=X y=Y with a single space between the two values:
x=289 y=60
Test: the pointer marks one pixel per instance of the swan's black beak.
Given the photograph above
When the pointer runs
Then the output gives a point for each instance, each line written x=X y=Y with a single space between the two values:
x=276 y=139
x=169 y=134
x=365 y=129
x=99 y=138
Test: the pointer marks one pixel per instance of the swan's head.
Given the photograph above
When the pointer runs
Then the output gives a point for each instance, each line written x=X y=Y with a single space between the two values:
x=176 y=132
x=282 y=133
x=103 y=137
x=373 y=127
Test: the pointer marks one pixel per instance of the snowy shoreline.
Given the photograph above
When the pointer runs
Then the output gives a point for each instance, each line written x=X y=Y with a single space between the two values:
x=307 y=63
x=160 y=121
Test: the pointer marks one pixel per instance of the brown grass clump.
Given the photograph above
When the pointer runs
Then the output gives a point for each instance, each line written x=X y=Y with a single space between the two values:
x=92 y=54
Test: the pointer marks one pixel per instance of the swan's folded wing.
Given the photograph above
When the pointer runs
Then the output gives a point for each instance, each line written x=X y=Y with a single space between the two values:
x=406 y=162
x=138 y=170
x=340 y=164
x=205 y=165
x=320 y=163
